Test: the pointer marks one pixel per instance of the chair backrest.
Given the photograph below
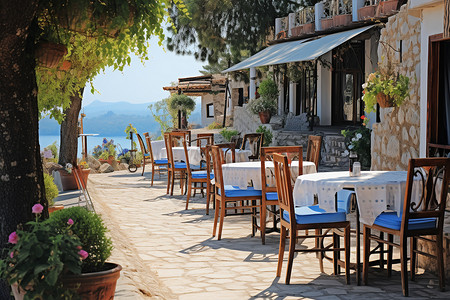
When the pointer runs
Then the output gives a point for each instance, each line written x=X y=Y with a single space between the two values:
x=168 y=148
x=208 y=159
x=188 y=166
x=433 y=174
x=255 y=142
x=284 y=186
x=217 y=157
x=292 y=152
x=313 y=150
x=188 y=133
x=237 y=140
x=207 y=137
x=148 y=141
x=141 y=144
x=228 y=147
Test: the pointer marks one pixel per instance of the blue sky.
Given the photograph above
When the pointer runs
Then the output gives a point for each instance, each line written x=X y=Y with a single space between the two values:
x=140 y=83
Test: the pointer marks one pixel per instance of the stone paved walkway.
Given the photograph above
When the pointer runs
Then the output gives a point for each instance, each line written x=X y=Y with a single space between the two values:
x=169 y=253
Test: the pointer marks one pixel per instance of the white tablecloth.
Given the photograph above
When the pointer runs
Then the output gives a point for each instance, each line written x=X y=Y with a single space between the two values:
x=376 y=191
x=240 y=155
x=242 y=173
x=194 y=154
x=156 y=148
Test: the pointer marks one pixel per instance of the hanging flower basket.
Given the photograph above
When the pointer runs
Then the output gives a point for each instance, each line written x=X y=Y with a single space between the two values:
x=327 y=23
x=367 y=12
x=49 y=54
x=384 y=100
x=296 y=31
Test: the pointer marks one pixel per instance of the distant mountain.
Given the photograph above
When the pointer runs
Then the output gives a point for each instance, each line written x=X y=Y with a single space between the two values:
x=111 y=119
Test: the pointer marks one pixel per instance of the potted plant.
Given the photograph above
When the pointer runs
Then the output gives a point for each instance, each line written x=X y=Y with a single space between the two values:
x=124 y=156
x=266 y=104
x=183 y=105
x=386 y=88
x=358 y=141
x=268 y=135
x=51 y=192
x=38 y=257
x=49 y=54
x=97 y=279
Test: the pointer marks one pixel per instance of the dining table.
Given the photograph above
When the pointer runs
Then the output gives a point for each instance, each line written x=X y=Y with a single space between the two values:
x=194 y=154
x=156 y=148
x=244 y=174
x=376 y=192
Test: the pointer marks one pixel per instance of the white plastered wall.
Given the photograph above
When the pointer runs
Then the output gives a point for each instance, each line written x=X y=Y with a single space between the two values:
x=206 y=99
x=432 y=23
x=324 y=90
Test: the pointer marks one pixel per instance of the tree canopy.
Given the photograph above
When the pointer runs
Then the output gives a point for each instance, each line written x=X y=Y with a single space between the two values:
x=215 y=28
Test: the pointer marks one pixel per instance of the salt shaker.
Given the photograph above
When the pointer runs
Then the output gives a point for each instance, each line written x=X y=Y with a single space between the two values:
x=356 y=169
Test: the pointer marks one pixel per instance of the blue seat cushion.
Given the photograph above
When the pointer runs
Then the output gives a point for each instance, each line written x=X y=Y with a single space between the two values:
x=392 y=221
x=195 y=167
x=272 y=196
x=344 y=200
x=235 y=191
x=315 y=214
x=161 y=161
x=201 y=175
x=179 y=165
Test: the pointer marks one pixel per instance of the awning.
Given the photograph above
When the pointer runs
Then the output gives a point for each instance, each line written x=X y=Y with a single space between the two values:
x=302 y=50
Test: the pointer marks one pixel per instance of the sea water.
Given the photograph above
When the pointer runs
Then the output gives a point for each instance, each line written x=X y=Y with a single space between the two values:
x=92 y=141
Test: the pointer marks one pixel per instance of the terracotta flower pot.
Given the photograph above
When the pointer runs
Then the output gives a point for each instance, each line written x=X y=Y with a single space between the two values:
x=68 y=181
x=384 y=100
x=264 y=116
x=95 y=285
x=296 y=31
x=327 y=23
x=342 y=20
x=308 y=28
x=281 y=34
x=50 y=54
x=367 y=12
x=387 y=8
x=52 y=209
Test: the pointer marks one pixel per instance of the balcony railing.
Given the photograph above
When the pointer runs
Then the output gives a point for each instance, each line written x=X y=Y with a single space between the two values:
x=331 y=14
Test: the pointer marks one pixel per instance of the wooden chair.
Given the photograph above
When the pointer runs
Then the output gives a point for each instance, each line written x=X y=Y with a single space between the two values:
x=227 y=147
x=255 y=142
x=305 y=218
x=175 y=168
x=225 y=194
x=210 y=174
x=188 y=134
x=269 y=193
x=422 y=216
x=145 y=153
x=160 y=164
x=313 y=150
x=194 y=177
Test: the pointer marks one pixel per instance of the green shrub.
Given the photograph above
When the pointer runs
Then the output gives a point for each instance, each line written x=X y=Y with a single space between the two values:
x=267 y=135
x=215 y=125
x=54 y=148
x=268 y=89
x=51 y=190
x=228 y=133
x=89 y=227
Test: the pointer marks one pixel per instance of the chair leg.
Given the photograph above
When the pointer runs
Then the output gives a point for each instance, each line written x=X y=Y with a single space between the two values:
x=216 y=217
x=292 y=241
x=281 y=249
x=347 y=254
x=195 y=189
x=440 y=260
x=381 y=251
x=320 y=245
x=262 y=223
x=413 y=257
x=404 y=264
x=169 y=175
x=222 y=216
x=143 y=166
x=389 y=257
x=335 y=254
x=173 y=183
x=208 y=196
x=366 y=250
x=153 y=173
x=189 y=192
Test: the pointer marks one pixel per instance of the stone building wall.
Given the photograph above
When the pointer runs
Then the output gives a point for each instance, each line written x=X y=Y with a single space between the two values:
x=396 y=138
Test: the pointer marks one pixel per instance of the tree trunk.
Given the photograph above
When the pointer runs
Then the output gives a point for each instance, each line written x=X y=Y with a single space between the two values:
x=69 y=132
x=21 y=178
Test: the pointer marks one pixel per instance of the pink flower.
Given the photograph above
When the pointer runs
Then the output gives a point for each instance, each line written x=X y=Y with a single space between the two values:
x=13 y=238
x=83 y=254
x=70 y=222
x=79 y=247
x=11 y=254
x=37 y=209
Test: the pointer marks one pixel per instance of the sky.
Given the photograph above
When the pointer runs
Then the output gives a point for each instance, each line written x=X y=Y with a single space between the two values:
x=140 y=83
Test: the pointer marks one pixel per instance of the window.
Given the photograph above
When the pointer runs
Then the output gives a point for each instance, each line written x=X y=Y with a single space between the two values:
x=306 y=91
x=348 y=77
x=438 y=114
x=210 y=110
